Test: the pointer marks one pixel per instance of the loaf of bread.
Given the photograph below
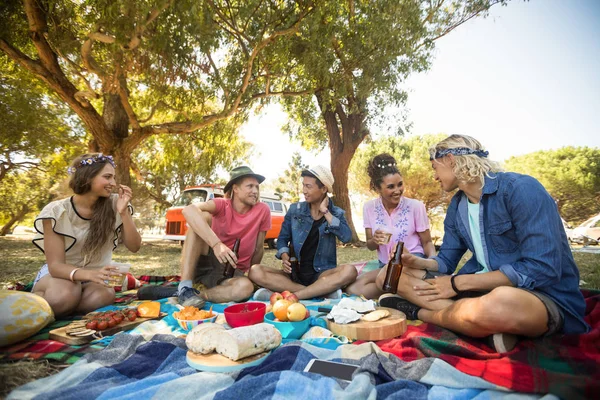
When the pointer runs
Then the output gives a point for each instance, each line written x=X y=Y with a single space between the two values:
x=234 y=344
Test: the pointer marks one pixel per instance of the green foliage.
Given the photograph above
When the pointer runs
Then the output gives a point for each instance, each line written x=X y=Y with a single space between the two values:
x=289 y=185
x=167 y=164
x=570 y=174
x=33 y=124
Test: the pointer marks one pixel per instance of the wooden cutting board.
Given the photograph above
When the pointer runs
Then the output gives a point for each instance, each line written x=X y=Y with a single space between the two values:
x=61 y=335
x=214 y=362
x=387 y=328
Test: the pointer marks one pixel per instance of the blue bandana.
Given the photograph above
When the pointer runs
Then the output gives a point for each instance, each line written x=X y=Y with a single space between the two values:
x=92 y=160
x=459 y=151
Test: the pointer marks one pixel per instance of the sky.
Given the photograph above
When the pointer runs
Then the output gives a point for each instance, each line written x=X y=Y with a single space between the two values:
x=525 y=78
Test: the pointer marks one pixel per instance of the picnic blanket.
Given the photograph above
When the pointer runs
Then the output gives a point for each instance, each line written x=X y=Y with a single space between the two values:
x=132 y=368
x=40 y=347
x=565 y=365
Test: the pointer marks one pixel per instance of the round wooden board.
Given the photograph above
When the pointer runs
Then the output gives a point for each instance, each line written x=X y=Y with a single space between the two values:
x=215 y=362
x=387 y=328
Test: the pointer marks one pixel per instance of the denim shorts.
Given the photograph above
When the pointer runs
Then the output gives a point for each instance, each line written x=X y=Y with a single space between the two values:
x=556 y=317
x=43 y=272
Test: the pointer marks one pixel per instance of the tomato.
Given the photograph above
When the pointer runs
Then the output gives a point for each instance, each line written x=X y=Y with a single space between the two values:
x=102 y=325
x=112 y=322
x=93 y=324
x=131 y=316
x=118 y=317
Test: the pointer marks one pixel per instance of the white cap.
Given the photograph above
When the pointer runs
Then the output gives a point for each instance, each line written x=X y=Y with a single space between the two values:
x=324 y=175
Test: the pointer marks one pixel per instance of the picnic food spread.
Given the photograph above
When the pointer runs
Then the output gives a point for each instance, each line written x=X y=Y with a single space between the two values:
x=234 y=344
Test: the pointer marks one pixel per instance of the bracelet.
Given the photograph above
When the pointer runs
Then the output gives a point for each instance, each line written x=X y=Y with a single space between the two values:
x=73 y=274
x=326 y=212
x=454 y=285
x=213 y=246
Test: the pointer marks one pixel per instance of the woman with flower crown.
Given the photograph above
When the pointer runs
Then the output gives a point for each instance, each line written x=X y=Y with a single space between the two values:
x=388 y=219
x=78 y=235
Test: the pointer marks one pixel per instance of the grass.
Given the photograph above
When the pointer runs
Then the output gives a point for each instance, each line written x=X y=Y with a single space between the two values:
x=20 y=261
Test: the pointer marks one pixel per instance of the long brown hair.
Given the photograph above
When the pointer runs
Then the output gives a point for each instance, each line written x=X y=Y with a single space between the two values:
x=103 y=218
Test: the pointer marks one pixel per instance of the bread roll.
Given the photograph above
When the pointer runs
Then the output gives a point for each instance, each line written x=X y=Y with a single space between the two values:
x=235 y=343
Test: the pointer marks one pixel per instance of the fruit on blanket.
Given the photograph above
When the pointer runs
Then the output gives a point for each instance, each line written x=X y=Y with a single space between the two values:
x=280 y=309
x=290 y=296
x=150 y=309
x=274 y=297
x=296 y=312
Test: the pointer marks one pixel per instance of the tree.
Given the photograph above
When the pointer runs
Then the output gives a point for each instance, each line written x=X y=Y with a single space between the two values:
x=354 y=56
x=570 y=174
x=32 y=125
x=166 y=165
x=134 y=69
x=289 y=185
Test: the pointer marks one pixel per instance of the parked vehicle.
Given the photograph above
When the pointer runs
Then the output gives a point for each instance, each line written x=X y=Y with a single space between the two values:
x=588 y=232
x=176 y=228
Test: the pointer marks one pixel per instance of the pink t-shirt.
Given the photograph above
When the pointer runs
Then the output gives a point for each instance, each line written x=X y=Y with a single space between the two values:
x=406 y=220
x=229 y=225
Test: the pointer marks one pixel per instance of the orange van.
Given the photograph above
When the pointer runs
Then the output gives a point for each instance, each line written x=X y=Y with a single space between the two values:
x=176 y=226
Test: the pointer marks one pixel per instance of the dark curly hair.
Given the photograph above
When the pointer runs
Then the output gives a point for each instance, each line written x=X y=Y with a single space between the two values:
x=380 y=166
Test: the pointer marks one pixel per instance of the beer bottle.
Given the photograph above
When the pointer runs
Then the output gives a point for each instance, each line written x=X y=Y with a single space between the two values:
x=394 y=270
x=293 y=258
x=230 y=269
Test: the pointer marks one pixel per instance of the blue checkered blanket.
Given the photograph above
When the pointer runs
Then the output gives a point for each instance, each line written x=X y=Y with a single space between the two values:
x=132 y=367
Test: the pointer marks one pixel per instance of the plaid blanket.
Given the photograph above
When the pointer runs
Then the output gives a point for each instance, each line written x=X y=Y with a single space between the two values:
x=40 y=347
x=132 y=368
x=565 y=365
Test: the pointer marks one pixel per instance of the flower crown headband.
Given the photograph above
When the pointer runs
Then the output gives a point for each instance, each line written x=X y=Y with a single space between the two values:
x=92 y=160
x=459 y=151
x=386 y=165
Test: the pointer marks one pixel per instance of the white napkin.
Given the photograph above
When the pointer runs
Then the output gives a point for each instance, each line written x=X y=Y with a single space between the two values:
x=343 y=315
x=357 y=305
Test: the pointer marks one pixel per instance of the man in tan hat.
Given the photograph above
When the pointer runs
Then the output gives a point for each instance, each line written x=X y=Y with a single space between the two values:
x=312 y=228
x=214 y=226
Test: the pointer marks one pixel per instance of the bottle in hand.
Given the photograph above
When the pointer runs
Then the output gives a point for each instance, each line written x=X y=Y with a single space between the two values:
x=230 y=269
x=394 y=270
x=293 y=259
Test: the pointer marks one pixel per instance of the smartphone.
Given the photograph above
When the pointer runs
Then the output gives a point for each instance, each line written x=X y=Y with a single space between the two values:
x=332 y=369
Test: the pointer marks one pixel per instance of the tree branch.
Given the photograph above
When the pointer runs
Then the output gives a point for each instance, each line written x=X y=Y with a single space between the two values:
x=139 y=31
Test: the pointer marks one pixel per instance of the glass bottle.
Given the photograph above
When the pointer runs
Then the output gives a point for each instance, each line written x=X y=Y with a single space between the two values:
x=230 y=269
x=293 y=259
x=394 y=270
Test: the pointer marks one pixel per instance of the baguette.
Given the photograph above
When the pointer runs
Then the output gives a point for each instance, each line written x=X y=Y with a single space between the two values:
x=234 y=344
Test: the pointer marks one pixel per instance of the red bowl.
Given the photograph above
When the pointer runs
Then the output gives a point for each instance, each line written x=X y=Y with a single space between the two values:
x=245 y=314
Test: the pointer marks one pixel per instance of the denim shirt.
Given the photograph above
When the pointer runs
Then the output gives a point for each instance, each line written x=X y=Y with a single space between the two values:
x=296 y=226
x=523 y=237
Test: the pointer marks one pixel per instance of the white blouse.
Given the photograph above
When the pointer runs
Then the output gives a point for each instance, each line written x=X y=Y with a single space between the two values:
x=74 y=228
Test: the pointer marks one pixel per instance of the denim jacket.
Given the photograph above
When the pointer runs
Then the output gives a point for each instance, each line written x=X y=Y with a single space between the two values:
x=296 y=226
x=522 y=236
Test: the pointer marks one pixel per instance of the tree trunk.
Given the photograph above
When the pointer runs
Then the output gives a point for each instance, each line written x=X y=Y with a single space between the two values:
x=340 y=163
x=345 y=133
x=117 y=123
x=16 y=218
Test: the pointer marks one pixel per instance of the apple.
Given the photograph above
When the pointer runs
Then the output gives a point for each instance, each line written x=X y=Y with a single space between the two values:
x=274 y=297
x=286 y=293
x=307 y=314
x=296 y=312
x=269 y=308
x=280 y=309
x=291 y=297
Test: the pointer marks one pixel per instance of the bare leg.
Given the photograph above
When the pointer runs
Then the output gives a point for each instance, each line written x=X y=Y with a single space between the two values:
x=193 y=248
x=235 y=289
x=95 y=296
x=62 y=295
x=411 y=277
x=492 y=313
x=273 y=279
x=329 y=281
x=366 y=285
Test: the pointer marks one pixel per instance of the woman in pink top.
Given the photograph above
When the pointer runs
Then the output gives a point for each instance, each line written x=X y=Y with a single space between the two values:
x=388 y=219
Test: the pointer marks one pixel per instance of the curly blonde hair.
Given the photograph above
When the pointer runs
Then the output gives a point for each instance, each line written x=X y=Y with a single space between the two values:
x=470 y=167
